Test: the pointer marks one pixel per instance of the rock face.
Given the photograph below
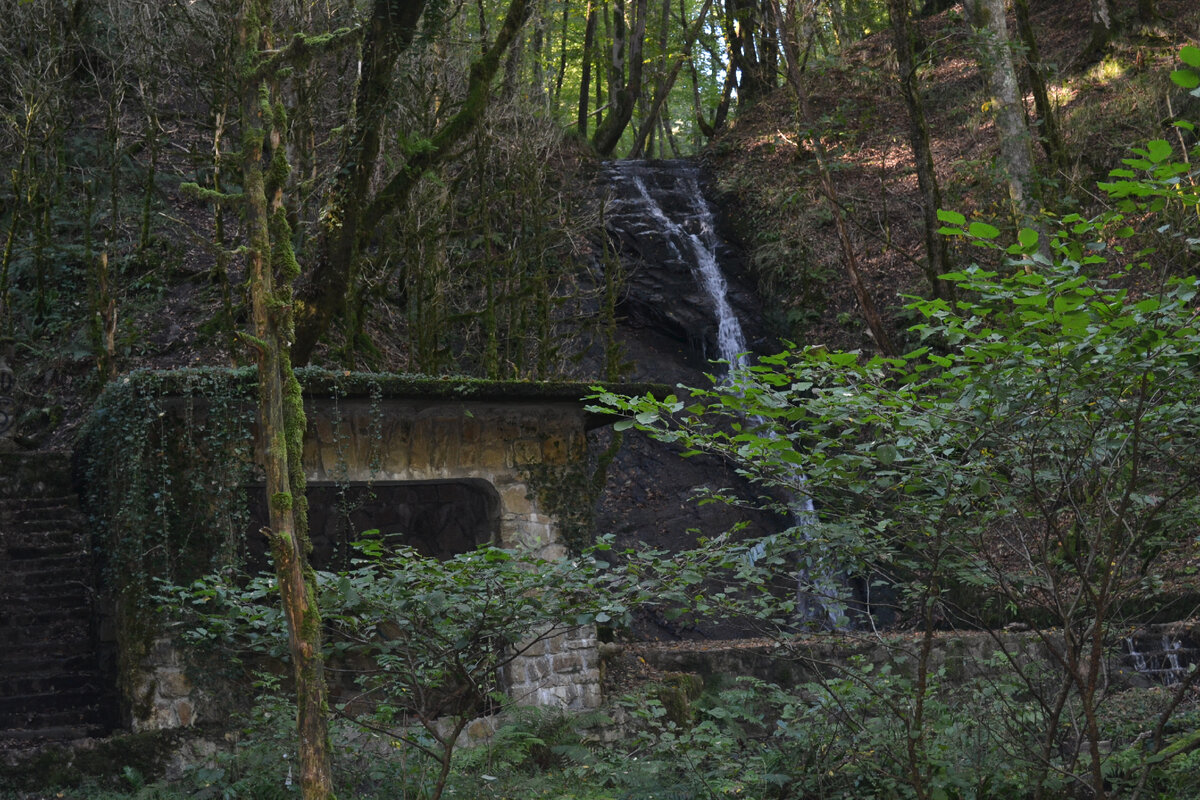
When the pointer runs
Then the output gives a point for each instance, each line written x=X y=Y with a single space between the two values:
x=52 y=685
x=657 y=217
x=671 y=330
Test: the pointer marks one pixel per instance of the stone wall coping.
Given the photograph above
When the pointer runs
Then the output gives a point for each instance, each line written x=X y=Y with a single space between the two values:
x=321 y=383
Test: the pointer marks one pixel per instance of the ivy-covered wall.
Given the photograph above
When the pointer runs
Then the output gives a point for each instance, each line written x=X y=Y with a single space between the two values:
x=166 y=460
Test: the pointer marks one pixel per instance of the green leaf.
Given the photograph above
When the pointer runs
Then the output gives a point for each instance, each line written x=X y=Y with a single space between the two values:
x=1190 y=55
x=1159 y=150
x=982 y=230
x=1028 y=237
x=887 y=454
x=1185 y=78
x=952 y=217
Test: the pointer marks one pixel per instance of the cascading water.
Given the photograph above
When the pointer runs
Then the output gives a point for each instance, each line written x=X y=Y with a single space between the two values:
x=664 y=199
x=1163 y=660
x=688 y=232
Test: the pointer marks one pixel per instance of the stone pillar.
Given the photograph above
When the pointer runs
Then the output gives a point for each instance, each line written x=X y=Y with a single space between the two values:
x=558 y=671
x=8 y=402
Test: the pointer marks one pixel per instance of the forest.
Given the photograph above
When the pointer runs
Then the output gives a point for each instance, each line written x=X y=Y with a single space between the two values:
x=969 y=233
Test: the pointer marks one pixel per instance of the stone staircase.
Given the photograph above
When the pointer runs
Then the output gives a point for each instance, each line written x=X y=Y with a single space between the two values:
x=51 y=682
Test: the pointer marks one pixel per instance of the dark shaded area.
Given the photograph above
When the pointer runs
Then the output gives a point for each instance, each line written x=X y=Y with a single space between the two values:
x=57 y=675
x=440 y=519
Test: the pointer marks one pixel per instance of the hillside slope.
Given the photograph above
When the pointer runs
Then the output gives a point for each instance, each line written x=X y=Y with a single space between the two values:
x=767 y=177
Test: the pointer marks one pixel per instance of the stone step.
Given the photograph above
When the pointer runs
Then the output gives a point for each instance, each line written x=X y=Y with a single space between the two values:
x=39 y=506
x=48 y=570
x=14 y=710
x=73 y=594
x=52 y=730
x=36 y=527
x=69 y=630
x=31 y=614
x=51 y=544
x=51 y=683
x=20 y=666
x=54 y=651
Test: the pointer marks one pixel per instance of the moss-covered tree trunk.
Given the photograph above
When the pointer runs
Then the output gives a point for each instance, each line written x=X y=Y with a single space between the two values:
x=987 y=19
x=271 y=268
x=355 y=212
x=624 y=76
x=937 y=258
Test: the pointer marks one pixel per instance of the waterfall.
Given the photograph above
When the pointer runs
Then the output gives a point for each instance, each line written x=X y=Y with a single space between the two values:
x=1166 y=661
x=664 y=200
x=689 y=233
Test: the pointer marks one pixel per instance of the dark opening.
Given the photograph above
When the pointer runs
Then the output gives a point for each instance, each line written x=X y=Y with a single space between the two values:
x=437 y=518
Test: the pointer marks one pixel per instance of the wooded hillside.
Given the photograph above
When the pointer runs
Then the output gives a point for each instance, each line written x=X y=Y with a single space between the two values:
x=431 y=163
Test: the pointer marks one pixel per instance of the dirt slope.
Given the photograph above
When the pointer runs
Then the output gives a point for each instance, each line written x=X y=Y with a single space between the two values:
x=768 y=184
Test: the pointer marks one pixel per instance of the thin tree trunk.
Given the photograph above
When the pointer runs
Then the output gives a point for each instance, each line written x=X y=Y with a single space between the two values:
x=280 y=407
x=589 y=35
x=666 y=82
x=1051 y=138
x=937 y=258
x=562 y=54
x=838 y=17
x=791 y=49
x=986 y=17
x=537 y=45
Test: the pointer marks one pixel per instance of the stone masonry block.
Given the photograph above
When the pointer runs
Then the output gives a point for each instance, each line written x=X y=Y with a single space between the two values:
x=567 y=663
x=526 y=451
x=514 y=499
x=173 y=683
x=554 y=450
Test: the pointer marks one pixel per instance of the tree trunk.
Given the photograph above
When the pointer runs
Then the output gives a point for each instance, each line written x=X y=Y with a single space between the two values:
x=986 y=18
x=937 y=258
x=1051 y=138
x=389 y=32
x=562 y=54
x=280 y=407
x=838 y=17
x=324 y=294
x=665 y=84
x=1101 y=32
x=750 y=44
x=589 y=37
x=623 y=91
x=792 y=56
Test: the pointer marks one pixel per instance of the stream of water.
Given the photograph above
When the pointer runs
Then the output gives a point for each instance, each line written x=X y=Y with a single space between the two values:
x=668 y=199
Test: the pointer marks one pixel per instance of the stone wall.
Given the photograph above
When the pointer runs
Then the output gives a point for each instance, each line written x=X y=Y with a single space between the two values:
x=558 y=671
x=501 y=443
x=1162 y=656
x=507 y=445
